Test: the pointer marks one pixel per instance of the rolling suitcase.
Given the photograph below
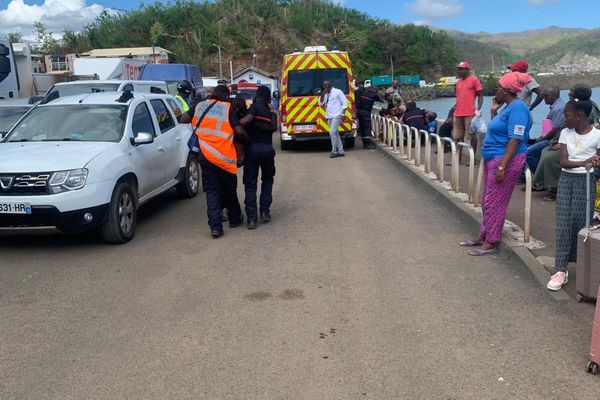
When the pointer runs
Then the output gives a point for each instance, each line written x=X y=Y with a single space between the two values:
x=588 y=255
x=593 y=366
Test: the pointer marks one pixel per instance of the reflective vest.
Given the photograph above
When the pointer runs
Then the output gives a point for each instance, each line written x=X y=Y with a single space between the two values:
x=215 y=135
x=183 y=103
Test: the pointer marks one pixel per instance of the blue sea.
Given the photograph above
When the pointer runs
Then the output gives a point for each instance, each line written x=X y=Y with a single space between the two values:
x=441 y=107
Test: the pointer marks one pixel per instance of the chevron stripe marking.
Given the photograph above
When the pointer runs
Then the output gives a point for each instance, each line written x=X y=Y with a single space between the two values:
x=327 y=61
x=297 y=109
x=304 y=63
x=298 y=60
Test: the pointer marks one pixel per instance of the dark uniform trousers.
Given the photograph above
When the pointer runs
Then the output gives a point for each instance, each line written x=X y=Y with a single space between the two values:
x=220 y=188
x=258 y=156
x=364 y=125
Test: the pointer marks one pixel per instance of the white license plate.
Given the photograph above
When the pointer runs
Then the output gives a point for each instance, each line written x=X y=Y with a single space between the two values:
x=305 y=127
x=15 y=208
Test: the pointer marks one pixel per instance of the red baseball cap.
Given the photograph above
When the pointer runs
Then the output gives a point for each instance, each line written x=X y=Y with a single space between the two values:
x=464 y=64
x=519 y=66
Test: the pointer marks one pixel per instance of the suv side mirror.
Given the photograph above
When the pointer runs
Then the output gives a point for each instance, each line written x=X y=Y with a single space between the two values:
x=318 y=91
x=142 y=138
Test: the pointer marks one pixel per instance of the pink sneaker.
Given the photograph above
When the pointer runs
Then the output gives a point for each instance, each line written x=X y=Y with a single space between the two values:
x=558 y=280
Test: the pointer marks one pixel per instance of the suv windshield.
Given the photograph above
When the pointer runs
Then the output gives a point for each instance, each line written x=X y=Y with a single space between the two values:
x=83 y=122
x=80 y=88
x=307 y=82
x=9 y=116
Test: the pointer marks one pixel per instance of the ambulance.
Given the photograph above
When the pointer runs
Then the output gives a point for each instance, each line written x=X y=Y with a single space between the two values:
x=301 y=85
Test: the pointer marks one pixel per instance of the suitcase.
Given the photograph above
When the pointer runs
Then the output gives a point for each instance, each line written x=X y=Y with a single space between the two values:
x=593 y=367
x=588 y=255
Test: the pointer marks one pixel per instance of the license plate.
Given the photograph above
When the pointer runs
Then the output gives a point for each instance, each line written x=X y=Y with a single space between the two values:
x=15 y=208
x=305 y=127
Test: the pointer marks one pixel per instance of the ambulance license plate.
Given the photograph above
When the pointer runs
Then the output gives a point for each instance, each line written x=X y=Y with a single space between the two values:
x=305 y=127
x=15 y=208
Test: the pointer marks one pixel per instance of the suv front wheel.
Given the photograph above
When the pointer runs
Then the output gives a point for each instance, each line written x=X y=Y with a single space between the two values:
x=119 y=226
x=190 y=184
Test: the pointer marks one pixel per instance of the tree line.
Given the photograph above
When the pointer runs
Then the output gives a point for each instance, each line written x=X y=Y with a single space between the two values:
x=265 y=30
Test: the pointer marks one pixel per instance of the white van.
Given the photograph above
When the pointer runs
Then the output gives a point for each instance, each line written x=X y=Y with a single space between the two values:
x=63 y=89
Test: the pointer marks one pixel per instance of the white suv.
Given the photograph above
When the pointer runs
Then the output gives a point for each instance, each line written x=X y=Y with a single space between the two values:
x=89 y=161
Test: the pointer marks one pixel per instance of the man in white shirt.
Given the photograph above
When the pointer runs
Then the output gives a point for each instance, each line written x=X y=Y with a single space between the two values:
x=335 y=104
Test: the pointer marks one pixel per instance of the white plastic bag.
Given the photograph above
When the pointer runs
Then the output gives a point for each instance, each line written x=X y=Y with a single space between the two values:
x=478 y=125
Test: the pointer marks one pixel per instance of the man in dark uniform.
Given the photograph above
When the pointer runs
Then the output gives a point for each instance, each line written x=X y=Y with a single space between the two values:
x=365 y=98
x=260 y=122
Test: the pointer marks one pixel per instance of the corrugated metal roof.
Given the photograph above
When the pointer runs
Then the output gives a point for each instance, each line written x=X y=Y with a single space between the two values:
x=125 y=51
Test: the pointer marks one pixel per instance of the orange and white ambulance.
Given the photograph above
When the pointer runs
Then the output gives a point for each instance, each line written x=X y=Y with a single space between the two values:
x=301 y=83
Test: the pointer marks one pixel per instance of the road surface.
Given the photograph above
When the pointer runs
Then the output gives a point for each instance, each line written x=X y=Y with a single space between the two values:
x=355 y=290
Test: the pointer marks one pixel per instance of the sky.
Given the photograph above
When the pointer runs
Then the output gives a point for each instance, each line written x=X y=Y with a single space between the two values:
x=464 y=15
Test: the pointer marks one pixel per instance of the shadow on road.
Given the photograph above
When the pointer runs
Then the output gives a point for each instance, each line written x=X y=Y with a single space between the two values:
x=148 y=213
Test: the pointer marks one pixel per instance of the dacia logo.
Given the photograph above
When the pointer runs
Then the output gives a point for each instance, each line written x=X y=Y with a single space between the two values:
x=4 y=62
x=6 y=183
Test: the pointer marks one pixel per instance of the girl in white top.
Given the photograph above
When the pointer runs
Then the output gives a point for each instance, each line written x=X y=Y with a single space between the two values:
x=579 y=146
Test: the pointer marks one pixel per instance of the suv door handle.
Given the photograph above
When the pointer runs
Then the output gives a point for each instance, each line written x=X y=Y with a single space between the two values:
x=161 y=149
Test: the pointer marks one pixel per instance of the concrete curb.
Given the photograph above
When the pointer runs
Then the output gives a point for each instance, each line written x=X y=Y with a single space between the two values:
x=509 y=247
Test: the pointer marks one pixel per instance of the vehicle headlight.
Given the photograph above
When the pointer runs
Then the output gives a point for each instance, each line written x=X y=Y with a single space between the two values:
x=63 y=181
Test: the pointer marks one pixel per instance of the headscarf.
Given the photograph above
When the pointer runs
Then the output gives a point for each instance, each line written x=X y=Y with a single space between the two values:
x=514 y=81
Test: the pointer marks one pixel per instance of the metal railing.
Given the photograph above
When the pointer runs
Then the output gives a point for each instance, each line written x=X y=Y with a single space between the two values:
x=453 y=164
x=417 y=135
x=427 y=150
x=470 y=188
x=393 y=134
x=440 y=156
x=400 y=136
x=527 y=216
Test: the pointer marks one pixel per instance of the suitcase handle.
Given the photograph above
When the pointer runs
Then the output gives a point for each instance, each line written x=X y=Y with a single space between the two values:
x=588 y=222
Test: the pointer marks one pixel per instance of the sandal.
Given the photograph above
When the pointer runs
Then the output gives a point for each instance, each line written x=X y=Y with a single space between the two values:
x=535 y=188
x=470 y=243
x=482 y=252
x=550 y=197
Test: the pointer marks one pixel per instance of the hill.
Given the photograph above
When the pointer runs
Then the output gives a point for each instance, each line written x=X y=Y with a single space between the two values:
x=271 y=28
x=553 y=49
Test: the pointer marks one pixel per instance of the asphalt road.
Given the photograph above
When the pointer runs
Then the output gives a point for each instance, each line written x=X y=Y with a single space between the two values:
x=355 y=290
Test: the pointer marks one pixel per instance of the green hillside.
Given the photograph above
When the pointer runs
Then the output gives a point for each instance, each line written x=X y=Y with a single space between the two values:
x=270 y=29
x=569 y=50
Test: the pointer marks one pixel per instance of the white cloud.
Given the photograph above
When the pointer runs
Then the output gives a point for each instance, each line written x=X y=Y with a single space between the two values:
x=421 y=22
x=54 y=14
x=437 y=8
x=341 y=3
x=541 y=2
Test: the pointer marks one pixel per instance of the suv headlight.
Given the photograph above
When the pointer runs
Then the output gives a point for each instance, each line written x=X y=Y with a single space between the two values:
x=63 y=181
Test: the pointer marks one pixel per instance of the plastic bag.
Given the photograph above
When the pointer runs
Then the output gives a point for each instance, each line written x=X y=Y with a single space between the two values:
x=478 y=125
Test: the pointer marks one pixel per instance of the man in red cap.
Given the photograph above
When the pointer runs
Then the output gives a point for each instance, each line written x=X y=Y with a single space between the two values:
x=532 y=87
x=467 y=88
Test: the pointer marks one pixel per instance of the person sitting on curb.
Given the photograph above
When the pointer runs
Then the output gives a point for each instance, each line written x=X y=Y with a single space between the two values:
x=579 y=147
x=556 y=115
x=446 y=129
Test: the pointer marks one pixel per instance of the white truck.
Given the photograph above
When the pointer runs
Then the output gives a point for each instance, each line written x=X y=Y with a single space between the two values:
x=9 y=79
x=109 y=68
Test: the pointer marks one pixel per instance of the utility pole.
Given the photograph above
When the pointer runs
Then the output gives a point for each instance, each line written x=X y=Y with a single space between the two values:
x=220 y=64
x=231 y=69
x=493 y=65
x=392 y=64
